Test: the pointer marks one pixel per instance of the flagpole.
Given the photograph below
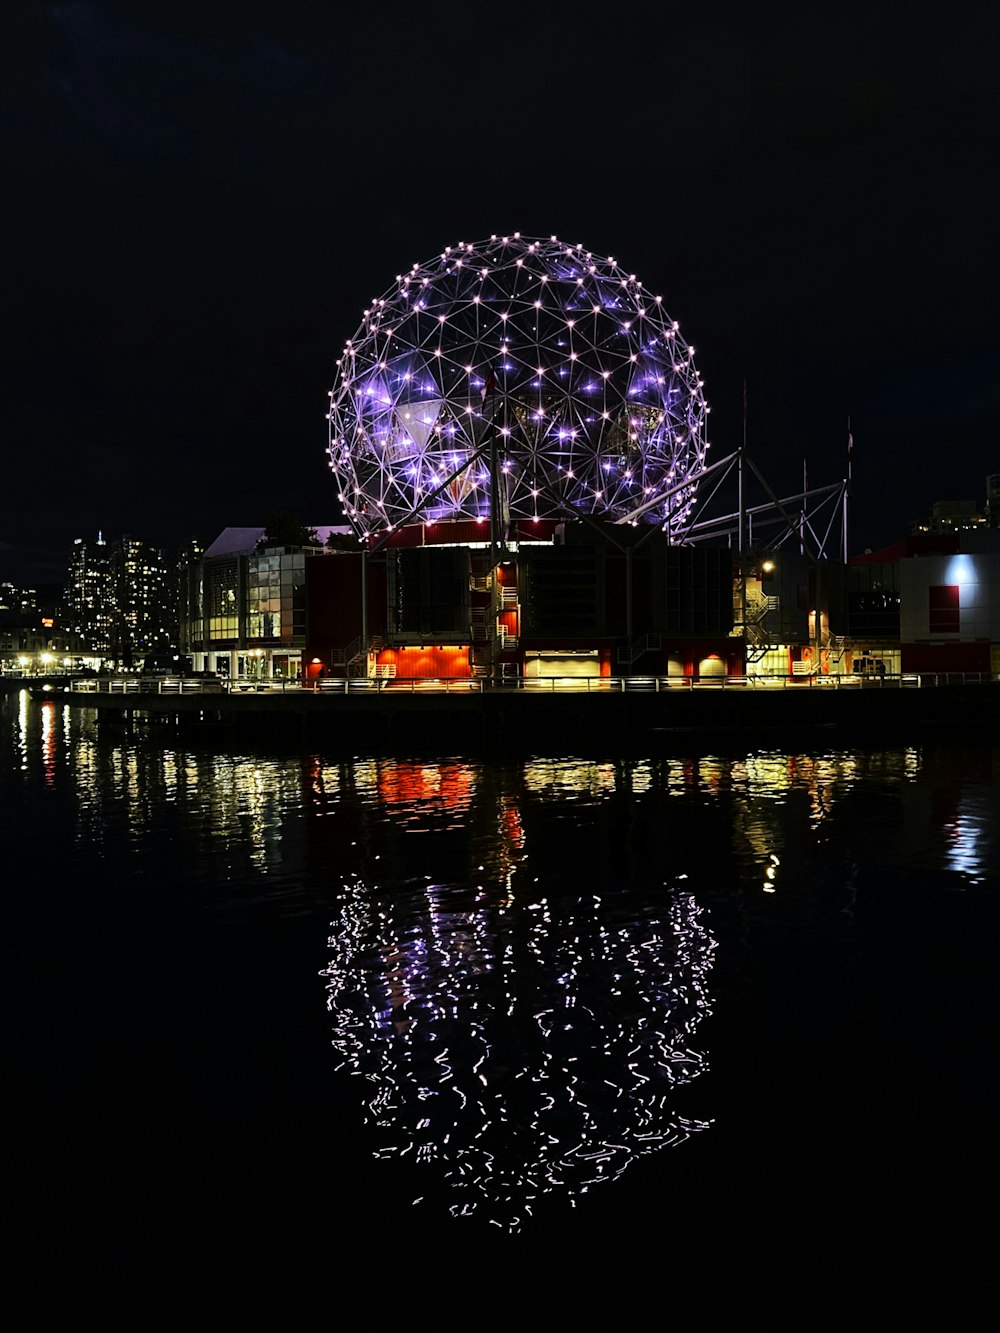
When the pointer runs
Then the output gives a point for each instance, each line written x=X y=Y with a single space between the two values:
x=741 y=527
x=489 y=392
x=742 y=504
x=847 y=487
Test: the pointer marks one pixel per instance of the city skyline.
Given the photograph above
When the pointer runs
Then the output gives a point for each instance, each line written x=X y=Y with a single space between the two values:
x=206 y=207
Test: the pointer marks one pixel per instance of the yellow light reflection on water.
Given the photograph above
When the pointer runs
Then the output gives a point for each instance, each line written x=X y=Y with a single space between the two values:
x=554 y=777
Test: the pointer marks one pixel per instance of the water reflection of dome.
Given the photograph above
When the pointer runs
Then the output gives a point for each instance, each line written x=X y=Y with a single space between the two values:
x=521 y=1050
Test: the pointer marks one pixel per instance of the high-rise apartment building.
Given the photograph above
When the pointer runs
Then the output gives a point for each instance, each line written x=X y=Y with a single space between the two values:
x=121 y=598
x=87 y=603
x=17 y=599
x=144 y=600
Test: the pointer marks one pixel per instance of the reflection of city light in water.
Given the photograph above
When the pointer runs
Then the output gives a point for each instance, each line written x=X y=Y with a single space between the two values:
x=522 y=1050
x=446 y=785
x=48 y=712
x=965 y=836
x=22 y=728
x=764 y=781
x=557 y=777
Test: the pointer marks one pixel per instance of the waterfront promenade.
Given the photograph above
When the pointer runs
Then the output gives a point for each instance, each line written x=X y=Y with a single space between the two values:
x=174 y=685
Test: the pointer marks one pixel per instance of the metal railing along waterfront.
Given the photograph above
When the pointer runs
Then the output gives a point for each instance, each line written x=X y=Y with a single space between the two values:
x=195 y=685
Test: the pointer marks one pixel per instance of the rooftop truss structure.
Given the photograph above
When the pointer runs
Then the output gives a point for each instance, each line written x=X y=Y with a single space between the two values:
x=815 y=520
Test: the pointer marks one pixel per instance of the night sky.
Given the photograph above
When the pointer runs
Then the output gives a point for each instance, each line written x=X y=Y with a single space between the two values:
x=201 y=200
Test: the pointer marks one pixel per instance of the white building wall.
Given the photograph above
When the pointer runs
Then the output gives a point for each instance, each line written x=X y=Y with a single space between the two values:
x=977 y=575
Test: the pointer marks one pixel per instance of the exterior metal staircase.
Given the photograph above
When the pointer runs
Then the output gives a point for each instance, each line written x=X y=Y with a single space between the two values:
x=630 y=653
x=754 y=627
x=354 y=658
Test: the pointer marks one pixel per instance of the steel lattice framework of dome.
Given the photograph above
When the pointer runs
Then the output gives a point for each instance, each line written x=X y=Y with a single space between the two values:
x=526 y=369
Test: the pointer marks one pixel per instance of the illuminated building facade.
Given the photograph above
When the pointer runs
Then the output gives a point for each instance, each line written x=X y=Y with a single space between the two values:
x=17 y=599
x=120 y=599
x=950 y=619
x=33 y=638
x=88 y=597
x=243 y=604
x=929 y=604
x=561 y=600
x=143 y=599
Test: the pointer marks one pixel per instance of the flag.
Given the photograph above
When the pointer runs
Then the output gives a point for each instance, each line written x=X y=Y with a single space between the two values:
x=489 y=384
x=850 y=450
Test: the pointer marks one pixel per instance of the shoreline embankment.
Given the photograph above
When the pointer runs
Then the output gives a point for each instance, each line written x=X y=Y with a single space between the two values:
x=488 y=718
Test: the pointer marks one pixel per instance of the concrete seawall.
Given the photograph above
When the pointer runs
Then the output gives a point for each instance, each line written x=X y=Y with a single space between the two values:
x=528 y=719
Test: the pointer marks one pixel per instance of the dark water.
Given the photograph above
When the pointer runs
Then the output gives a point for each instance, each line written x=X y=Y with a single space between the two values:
x=327 y=1004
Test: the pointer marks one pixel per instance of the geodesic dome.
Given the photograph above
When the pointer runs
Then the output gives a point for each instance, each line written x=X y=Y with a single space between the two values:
x=541 y=360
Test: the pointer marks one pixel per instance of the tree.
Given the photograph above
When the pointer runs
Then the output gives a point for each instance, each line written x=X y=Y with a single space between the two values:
x=343 y=541
x=283 y=529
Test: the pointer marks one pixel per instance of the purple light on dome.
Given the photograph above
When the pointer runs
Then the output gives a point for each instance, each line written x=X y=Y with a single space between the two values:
x=397 y=359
